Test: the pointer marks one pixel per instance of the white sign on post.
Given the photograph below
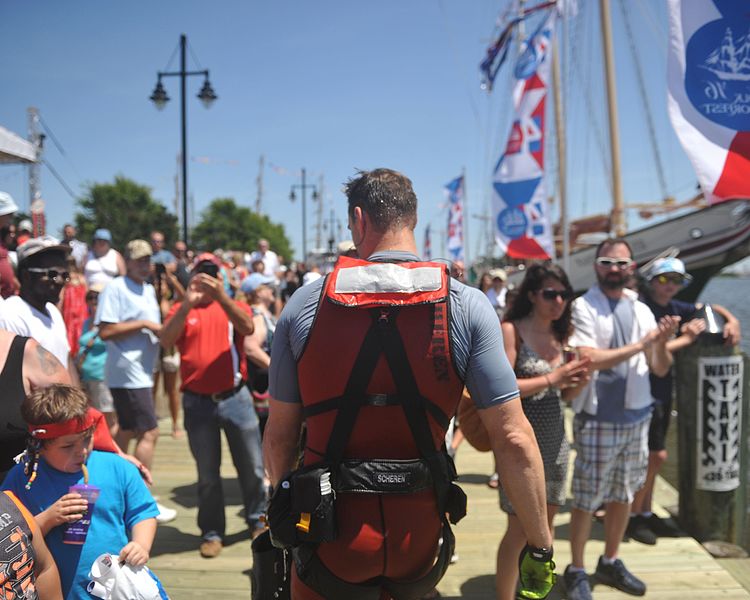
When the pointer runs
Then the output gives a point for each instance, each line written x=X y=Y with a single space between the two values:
x=718 y=424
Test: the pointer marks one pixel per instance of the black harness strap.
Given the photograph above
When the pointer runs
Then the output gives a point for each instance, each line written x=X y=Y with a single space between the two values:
x=375 y=400
x=414 y=407
x=359 y=378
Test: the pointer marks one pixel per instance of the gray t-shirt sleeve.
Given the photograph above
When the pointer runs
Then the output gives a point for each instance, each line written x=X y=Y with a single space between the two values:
x=289 y=340
x=478 y=349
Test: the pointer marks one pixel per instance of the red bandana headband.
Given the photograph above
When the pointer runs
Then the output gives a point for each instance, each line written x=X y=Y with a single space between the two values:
x=56 y=430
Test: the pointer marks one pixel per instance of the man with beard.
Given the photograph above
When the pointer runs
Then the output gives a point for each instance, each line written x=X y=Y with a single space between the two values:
x=621 y=337
x=42 y=271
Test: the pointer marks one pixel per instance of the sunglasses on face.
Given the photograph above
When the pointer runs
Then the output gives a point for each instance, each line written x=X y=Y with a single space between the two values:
x=51 y=274
x=676 y=278
x=550 y=294
x=608 y=263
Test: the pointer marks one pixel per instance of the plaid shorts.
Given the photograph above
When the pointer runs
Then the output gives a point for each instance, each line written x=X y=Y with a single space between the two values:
x=611 y=462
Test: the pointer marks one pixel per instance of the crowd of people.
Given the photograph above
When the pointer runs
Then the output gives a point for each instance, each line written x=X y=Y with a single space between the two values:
x=241 y=344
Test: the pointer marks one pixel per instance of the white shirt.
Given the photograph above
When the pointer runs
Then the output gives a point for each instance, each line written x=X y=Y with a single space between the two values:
x=594 y=328
x=130 y=359
x=497 y=299
x=49 y=331
x=101 y=270
x=270 y=262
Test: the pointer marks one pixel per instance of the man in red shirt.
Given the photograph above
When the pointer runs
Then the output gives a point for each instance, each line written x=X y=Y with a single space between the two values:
x=209 y=328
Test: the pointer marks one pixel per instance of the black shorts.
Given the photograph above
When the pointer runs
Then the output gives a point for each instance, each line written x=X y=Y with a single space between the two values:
x=657 y=432
x=135 y=409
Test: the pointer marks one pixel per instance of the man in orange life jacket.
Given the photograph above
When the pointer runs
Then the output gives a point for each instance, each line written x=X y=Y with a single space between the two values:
x=374 y=358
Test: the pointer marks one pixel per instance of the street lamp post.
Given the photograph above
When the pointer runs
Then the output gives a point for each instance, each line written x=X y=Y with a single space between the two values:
x=160 y=98
x=304 y=186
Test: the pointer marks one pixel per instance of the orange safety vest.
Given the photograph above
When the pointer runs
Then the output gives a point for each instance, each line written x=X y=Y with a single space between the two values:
x=379 y=386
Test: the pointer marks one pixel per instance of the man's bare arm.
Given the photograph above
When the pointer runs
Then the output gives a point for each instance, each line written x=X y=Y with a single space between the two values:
x=113 y=331
x=281 y=438
x=520 y=467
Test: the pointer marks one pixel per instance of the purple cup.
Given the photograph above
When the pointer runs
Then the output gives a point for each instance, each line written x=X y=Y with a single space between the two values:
x=76 y=532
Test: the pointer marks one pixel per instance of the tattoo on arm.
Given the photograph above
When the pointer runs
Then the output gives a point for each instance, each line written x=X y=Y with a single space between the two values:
x=47 y=361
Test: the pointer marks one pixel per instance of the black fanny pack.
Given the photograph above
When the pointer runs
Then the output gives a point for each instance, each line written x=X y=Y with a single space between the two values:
x=301 y=509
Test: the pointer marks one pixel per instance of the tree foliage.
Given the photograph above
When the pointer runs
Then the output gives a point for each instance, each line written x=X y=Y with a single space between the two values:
x=126 y=209
x=228 y=226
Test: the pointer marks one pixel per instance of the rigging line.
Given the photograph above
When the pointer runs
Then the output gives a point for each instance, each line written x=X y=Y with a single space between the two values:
x=58 y=145
x=642 y=91
x=59 y=178
x=52 y=136
x=454 y=56
x=659 y=32
x=591 y=112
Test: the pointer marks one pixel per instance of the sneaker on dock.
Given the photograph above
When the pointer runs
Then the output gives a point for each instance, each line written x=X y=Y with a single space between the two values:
x=639 y=530
x=165 y=514
x=617 y=576
x=577 y=585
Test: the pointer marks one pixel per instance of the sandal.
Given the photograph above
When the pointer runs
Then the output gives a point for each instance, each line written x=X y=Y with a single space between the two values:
x=494 y=481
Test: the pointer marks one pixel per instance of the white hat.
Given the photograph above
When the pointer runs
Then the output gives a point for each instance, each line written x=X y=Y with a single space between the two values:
x=7 y=204
x=499 y=274
x=663 y=266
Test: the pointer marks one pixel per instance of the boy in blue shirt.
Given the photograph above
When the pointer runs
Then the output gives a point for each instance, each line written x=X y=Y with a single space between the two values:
x=123 y=521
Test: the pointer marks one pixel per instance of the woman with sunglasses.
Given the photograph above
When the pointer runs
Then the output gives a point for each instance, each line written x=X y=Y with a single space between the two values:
x=666 y=278
x=536 y=328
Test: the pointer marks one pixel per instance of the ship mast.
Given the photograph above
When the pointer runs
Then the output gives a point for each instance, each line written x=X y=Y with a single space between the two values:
x=618 y=208
x=560 y=129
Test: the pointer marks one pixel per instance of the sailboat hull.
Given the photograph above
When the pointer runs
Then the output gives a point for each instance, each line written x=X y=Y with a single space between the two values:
x=708 y=240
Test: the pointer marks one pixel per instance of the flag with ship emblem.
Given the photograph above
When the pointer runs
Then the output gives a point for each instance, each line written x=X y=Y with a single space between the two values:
x=455 y=191
x=519 y=199
x=709 y=92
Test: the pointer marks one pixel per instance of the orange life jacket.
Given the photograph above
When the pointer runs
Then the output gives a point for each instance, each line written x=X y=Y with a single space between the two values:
x=378 y=388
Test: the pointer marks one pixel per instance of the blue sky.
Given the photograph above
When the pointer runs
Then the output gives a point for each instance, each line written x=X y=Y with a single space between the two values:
x=331 y=86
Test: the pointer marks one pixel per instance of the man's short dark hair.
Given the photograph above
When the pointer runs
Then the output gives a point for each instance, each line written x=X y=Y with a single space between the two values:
x=613 y=241
x=386 y=196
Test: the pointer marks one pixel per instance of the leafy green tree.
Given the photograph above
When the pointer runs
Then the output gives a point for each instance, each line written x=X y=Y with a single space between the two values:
x=127 y=209
x=225 y=225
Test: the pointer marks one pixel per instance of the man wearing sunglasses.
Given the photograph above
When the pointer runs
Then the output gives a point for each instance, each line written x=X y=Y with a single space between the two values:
x=42 y=272
x=624 y=342
x=666 y=278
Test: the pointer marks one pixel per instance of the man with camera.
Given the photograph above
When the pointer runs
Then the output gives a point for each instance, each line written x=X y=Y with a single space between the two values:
x=209 y=328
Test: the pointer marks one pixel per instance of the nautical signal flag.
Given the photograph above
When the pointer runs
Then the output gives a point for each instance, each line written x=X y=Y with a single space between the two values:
x=520 y=210
x=709 y=92
x=455 y=237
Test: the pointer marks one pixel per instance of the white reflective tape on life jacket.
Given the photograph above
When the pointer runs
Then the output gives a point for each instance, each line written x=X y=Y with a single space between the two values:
x=387 y=278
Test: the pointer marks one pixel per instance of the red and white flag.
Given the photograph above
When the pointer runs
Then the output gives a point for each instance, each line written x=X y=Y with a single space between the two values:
x=709 y=92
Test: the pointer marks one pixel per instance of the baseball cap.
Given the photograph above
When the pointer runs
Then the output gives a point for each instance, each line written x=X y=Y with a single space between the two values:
x=669 y=265
x=7 y=204
x=137 y=249
x=253 y=281
x=40 y=244
x=25 y=225
x=103 y=234
x=206 y=257
x=499 y=274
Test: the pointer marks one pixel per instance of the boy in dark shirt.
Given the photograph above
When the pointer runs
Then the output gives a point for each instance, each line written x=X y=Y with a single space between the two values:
x=665 y=279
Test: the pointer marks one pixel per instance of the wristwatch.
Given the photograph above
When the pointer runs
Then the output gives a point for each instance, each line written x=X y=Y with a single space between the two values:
x=539 y=554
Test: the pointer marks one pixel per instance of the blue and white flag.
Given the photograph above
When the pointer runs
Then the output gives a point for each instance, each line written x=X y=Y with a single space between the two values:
x=455 y=191
x=519 y=199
